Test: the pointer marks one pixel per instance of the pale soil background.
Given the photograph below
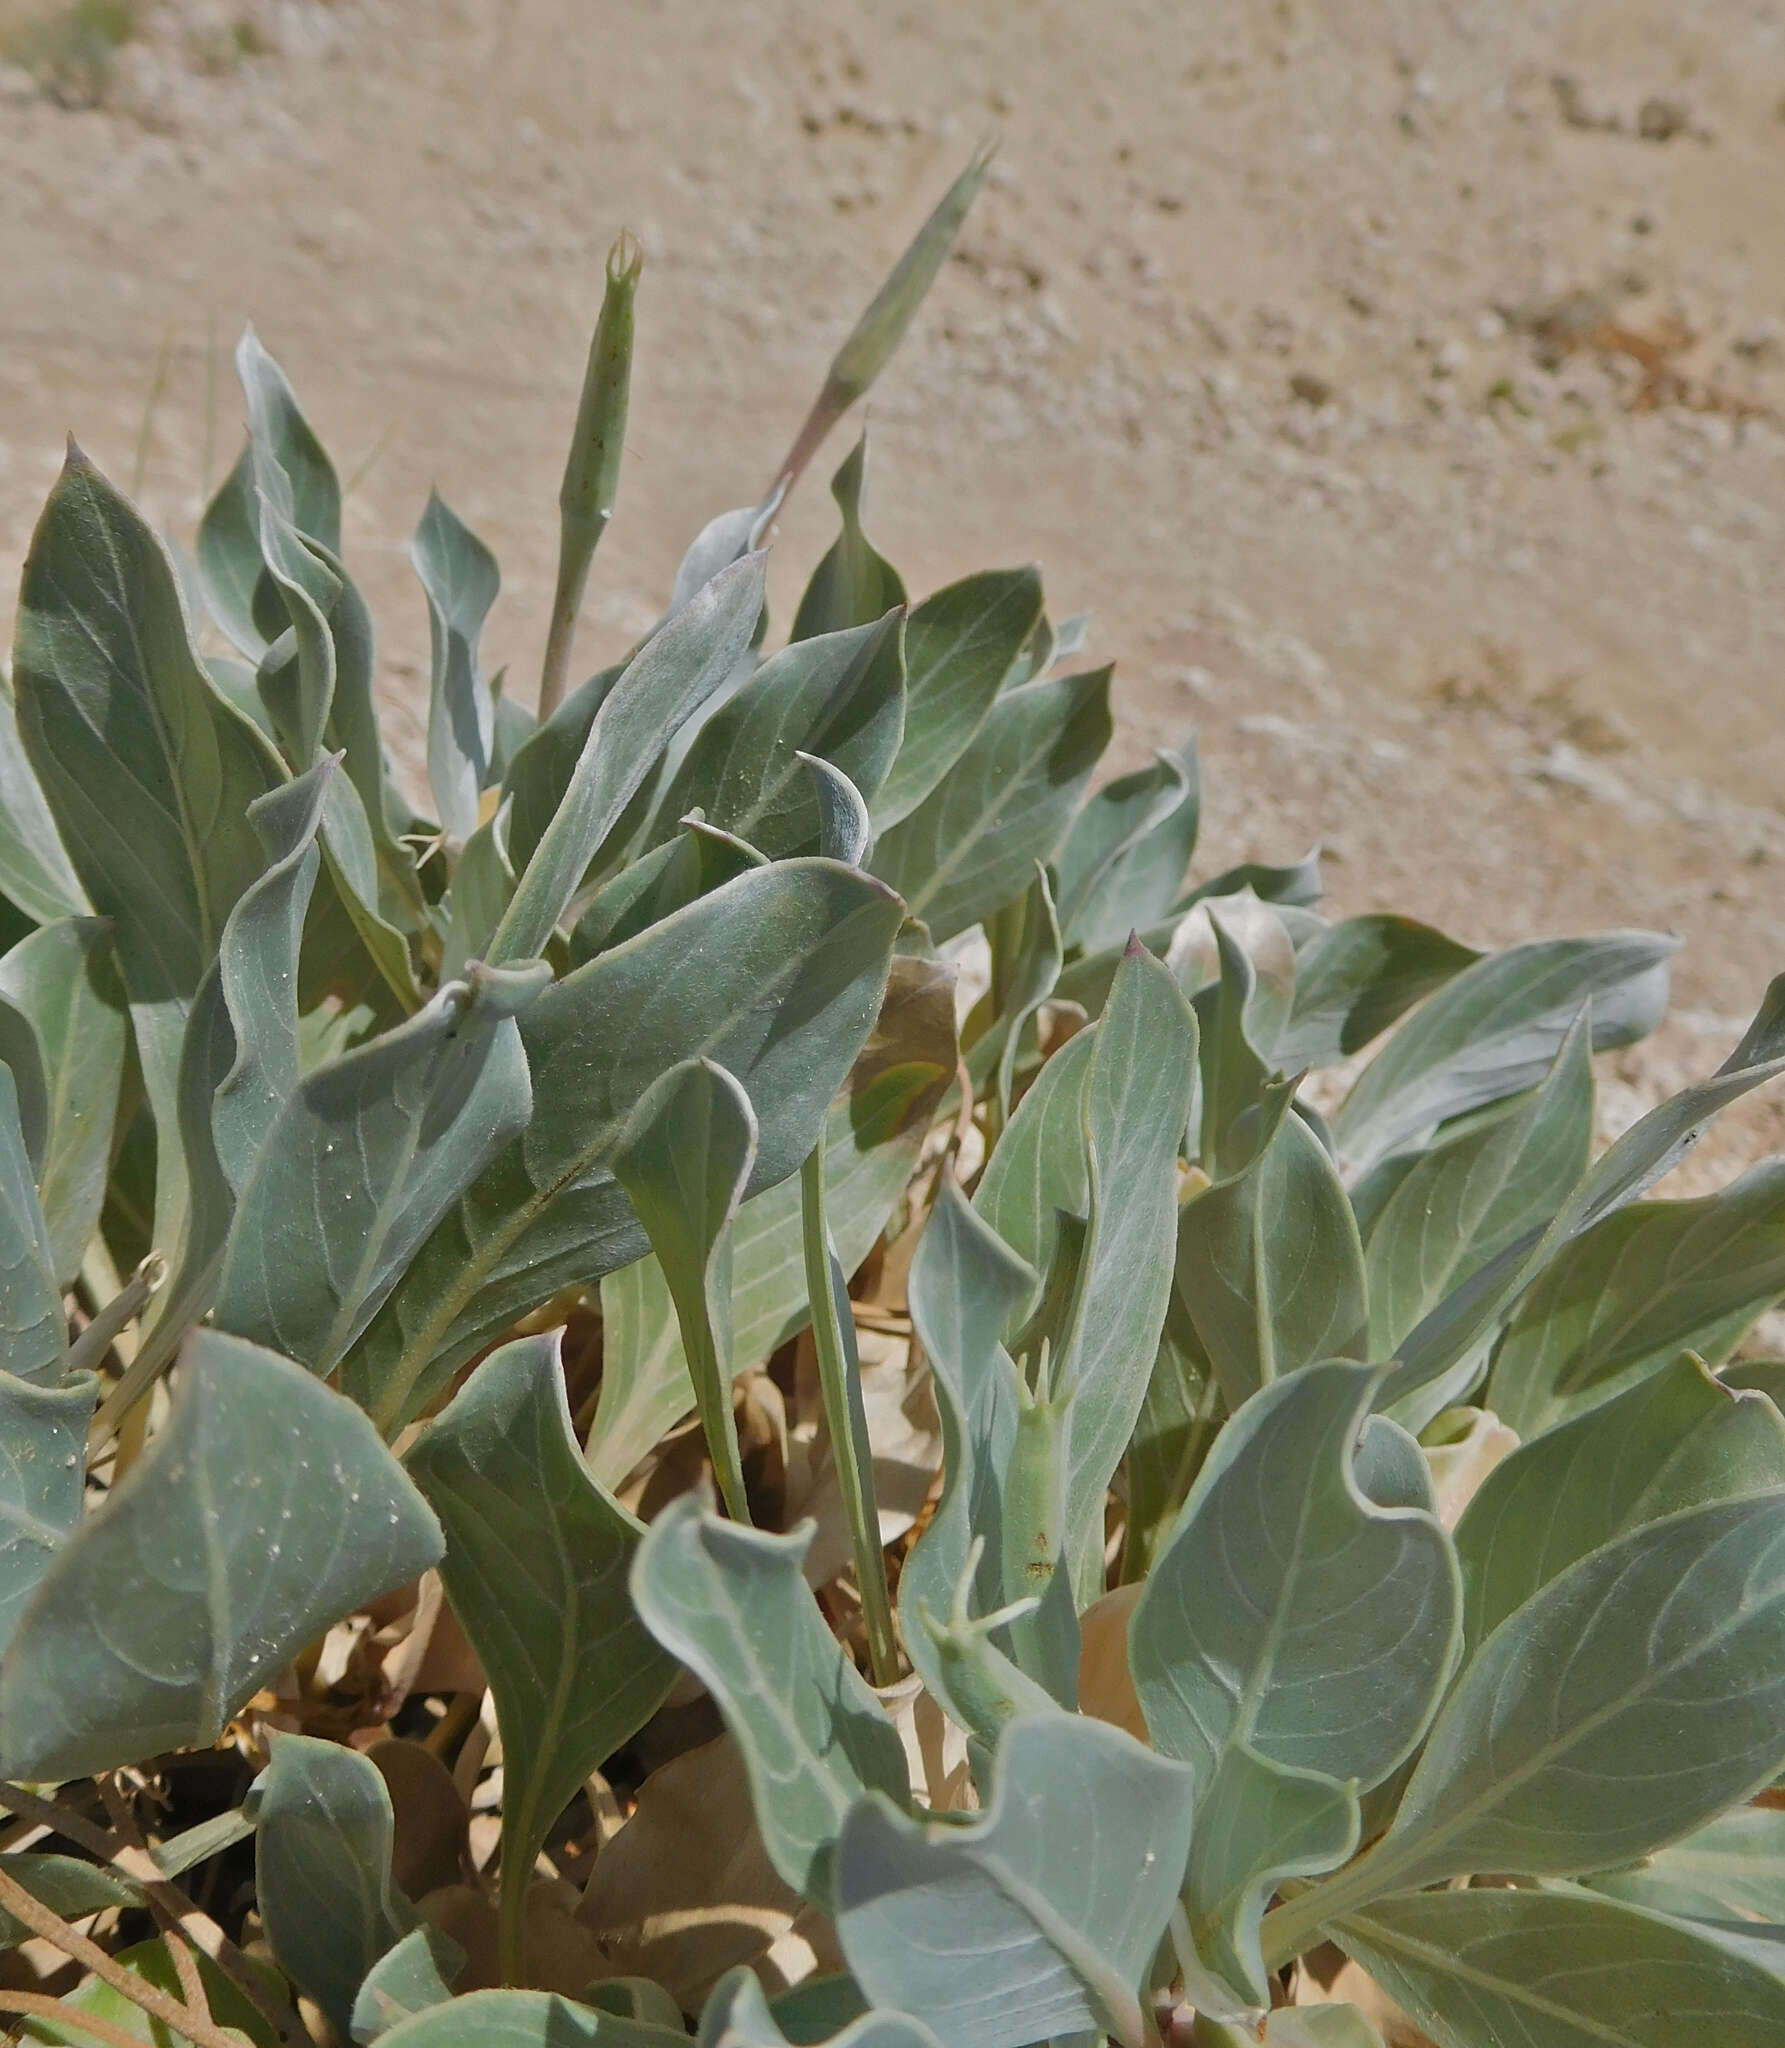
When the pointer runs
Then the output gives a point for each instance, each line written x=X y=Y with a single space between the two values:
x=1413 y=427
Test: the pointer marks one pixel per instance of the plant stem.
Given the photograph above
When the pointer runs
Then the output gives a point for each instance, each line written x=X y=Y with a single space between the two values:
x=39 y=2006
x=592 y=468
x=840 y=1382
x=204 y=1933
x=1297 y=1923
x=157 y=2004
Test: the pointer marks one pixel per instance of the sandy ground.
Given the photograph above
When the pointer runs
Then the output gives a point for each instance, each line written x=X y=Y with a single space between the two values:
x=1412 y=423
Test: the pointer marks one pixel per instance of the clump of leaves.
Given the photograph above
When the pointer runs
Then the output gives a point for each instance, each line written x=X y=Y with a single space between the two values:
x=1160 y=1538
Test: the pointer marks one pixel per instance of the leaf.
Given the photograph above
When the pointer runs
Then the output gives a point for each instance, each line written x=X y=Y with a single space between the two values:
x=1465 y=1201
x=960 y=645
x=777 y=976
x=1172 y=1434
x=153 y=1964
x=412 y=1976
x=264 y=1509
x=685 y=1161
x=854 y=583
x=1240 y=1010
x=873 y=1134
x=1137 y=1098
x=523 y=2019
x=1559 y=1971
x=296 y=677
x=840 y=695
x=1257 y=1823
x=1357 y=978
x=732 y=1604
x=1676 y=1440
x=1039 y=1916
x=67 y=1886
x=1233 y=1639
x=1039 y=1169
x=971 y=845
x=1269 y=1267
x=1733 y=1868
x=258 y=965
x=281 y=432
x=670 y=677
x=399 y=1127
x=1626 y=1703
x=148 y=773
x=1651 y=1147
x=1027 y=953
x=323 y=1838
x=737 y=2015
x=966 y=1284
x=1123 y=861
x=63 y=978
x=43 y=1475
x=35 y=872
x=460 y=577
x=536 y=1569
x=33 y=1327
x=1627 y=1296
x=482 y=886
x=845 y=830
x=540 y=771
x=1495 y=1029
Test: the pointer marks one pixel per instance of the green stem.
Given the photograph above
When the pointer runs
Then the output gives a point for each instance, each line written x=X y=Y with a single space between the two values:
x=1297 y=1924
x=592 y=468
x=711 y=1374
x=840 y=1382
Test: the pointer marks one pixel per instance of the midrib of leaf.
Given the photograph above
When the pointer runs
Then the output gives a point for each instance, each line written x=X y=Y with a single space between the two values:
x=1451 y=1964
x=1382 y=1868
x=217 y=1577
x=515 y=1882
x=1120 y=2008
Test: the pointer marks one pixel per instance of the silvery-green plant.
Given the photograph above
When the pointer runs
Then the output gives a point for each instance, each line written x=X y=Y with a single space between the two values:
x=1293 y=1504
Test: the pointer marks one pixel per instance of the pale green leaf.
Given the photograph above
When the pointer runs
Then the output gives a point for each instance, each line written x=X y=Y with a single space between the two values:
x=732 y=1604
x=1628 y=1295
x=1532 y=1969
x=536 y=1569
x=323 y=1836
x=1234 y=1637
x=524 y=2019
x=971 y=845
x=264 y=1509
x=1122 y=863
x=1358 y=977
x=1269 y=1267
x=33 y=1327
x=1465 y=1201
x=148 y=772
x=258 y=965
x=43 y=1475
x=35 y=872
x=363 y=1159
x=1731 y=1869
x=854 y=583
x=737 y=2015
x=960 y=645
x=413 y=1975
x=1040 y=1915
x=840 y=695
x=1495 y=1030
x=1629 y=1701
x=1677 y=1440
x=460 y=577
